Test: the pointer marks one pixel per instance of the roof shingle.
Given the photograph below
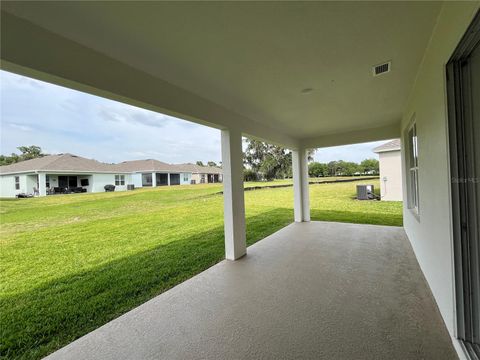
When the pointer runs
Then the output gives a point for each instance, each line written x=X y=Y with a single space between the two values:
x=392 y=145
x=60 y=162
x=74 y=163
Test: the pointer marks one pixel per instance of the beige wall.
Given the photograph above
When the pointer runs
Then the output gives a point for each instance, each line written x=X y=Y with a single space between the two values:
x=430 y=232
x=391 y=175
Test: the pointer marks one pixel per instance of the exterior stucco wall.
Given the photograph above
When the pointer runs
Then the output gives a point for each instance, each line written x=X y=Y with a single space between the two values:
x=391 y=175
x=90 y=182
x=7 y=185
x=136 y=179
x=430 y=233
x=196 y=177
x=53 y=180
x=185 y=178
x=100 y=180
x=30 y=183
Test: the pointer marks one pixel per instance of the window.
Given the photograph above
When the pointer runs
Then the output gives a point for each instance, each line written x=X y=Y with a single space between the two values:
x=119 y=180
x=185 y=177
x=84 y=182
x=17 y=182
x=412 y=168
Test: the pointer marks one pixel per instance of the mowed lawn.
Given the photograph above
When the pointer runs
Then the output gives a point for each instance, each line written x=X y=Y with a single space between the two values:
x=71 y=263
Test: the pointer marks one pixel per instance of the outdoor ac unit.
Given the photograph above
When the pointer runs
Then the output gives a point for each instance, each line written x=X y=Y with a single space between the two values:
x=365 y=192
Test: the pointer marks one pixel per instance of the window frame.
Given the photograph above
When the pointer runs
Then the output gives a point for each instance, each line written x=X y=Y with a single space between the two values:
x=119 y=180
x=412 y=167
x=17 y=182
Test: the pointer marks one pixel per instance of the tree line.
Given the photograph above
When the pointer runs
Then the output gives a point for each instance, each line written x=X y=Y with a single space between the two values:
x=343 y=168
x=263 y=161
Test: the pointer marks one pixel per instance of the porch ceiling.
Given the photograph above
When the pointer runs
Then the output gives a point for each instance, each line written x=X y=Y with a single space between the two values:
x=310 y=291
x=238 y=64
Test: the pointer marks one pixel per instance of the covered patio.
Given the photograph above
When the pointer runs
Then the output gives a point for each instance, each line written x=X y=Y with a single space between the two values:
x=315 y=290
x=302 y=75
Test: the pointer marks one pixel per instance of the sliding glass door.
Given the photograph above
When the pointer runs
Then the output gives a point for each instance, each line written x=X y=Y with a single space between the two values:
x=463 y=76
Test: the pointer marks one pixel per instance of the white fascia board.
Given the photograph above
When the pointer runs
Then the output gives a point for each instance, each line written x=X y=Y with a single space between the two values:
x=353 y=137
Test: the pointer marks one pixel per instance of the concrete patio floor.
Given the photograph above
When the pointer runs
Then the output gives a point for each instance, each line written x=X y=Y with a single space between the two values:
x=315 y=290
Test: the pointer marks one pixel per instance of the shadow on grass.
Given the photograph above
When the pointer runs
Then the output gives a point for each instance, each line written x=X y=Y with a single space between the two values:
x=357 y=217
x=46 y=318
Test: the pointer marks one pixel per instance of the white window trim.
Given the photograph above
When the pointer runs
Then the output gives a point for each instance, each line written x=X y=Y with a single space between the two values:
x=119 y=180
x=17 y=182
x=412 y=169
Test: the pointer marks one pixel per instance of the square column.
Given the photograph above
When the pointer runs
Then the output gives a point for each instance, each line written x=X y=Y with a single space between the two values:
x=42 y=184
x=300 y=185
x=154 y=179
x=168 y=179
x=234 y=203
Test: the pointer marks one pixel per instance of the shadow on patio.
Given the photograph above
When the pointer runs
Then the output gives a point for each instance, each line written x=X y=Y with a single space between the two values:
x=311 y=290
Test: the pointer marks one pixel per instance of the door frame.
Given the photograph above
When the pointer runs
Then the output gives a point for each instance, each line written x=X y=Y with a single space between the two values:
x=465 y=221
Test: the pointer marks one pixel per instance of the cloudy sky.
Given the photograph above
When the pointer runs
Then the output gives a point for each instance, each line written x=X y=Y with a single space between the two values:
x=61 y=120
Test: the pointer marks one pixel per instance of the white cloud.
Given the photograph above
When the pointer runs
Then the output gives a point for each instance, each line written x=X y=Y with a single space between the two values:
x=20 y=127
x=63 y=120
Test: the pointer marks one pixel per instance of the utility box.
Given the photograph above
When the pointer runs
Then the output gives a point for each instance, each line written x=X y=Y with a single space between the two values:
x=365 y=192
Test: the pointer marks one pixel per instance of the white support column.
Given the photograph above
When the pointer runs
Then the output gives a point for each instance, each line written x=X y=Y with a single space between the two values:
x=234 y=203
x=42 y=184
x=154 y=179
x=168 y=179
x=300 y=185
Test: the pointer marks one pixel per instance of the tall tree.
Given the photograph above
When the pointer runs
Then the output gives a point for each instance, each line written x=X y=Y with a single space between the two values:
x=212 y=163
x=271 y=161
x=30 y=152
x=316 y=169
x=370 y=165
x=27 y=153
x=199 y=163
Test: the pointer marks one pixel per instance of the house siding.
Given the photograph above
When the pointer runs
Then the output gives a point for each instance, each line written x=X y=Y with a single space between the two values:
x=100 y=180
x=187 y=176
x=136 y=180
x=431 y=232
x=391 y=175
x=7 y=186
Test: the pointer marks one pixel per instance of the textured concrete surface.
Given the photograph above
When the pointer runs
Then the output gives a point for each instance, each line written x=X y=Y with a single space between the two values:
x=314 y=290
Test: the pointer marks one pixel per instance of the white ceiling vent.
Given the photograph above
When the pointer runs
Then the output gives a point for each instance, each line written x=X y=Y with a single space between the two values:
x=381 y=69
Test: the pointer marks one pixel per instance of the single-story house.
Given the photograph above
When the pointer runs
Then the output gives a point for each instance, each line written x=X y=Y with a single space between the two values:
x=59 y=174
x=390 y=159
x=67 y=173
x=152 y=172
x=203 y=174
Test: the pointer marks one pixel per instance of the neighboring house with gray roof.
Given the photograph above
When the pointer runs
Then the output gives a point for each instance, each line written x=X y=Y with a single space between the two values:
x=66 y=173
x=390 y=161
x=203 y=174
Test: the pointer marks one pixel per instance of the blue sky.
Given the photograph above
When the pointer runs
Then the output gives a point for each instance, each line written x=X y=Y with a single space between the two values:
x=62 y=120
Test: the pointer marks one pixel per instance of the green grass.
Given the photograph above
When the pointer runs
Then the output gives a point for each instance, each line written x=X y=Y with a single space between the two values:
x=71 y=263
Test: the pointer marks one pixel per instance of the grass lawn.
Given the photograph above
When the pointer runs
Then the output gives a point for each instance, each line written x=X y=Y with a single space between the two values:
x=71 y=263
